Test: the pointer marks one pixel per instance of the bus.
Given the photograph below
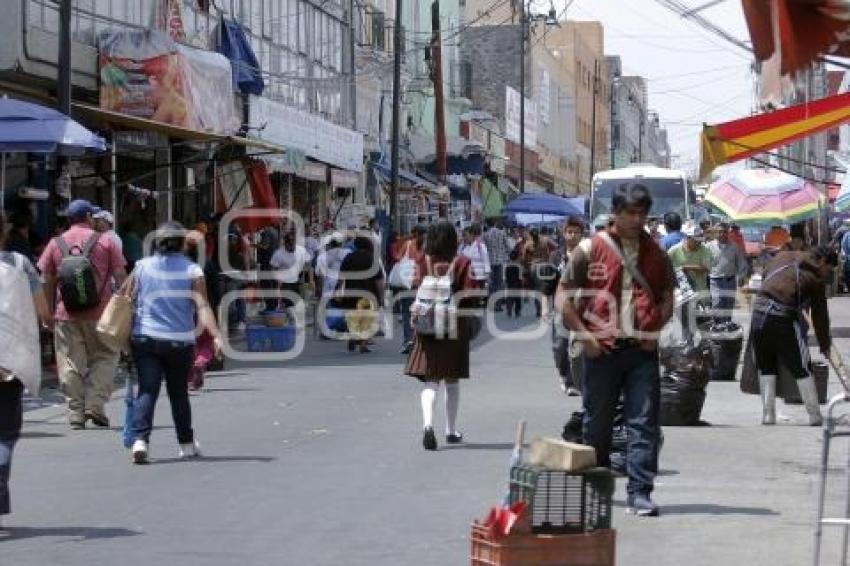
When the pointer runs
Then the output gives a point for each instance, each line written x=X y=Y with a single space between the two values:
x=671 y=190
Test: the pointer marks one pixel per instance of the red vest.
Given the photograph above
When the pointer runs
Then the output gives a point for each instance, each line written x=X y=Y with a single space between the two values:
x=600 y=309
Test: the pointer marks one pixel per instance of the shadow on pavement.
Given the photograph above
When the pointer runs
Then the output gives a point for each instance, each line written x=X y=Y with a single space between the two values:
x=228 y=389
x=39 y=434
x=712 y=509
x=213 y=459
x=82 y=533
x=479 y=446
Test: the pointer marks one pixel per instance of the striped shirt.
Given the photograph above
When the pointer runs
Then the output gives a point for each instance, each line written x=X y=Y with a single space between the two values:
x=497 y=246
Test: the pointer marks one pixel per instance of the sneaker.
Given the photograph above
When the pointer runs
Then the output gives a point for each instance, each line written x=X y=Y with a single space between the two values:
x=190 y=450
x=97 y=419
x=641 y=505
x=77 y=424
x=429 y=439
x=139 y=452
x=454 y=438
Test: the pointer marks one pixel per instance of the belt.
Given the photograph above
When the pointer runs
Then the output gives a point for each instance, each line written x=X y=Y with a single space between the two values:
x=774 y=308
x=626 y=343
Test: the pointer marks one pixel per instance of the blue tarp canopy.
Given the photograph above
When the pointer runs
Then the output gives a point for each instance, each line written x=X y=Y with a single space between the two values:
x=246 y=69
x=403 y=174
x=546 y=204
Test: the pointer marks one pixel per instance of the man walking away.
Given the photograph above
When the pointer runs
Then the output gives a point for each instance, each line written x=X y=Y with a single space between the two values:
x=78 y=267
x=499 y=249
x=728 y=268
x=673 y=226
x=618 y=296
x=793 y=282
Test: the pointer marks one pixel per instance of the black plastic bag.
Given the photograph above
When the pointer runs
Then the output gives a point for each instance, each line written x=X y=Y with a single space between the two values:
x=726 y=340
x=687 y=373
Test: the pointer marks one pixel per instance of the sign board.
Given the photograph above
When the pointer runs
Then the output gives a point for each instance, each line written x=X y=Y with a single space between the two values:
x=512 y=118
x=543 y=96
x=316 y=137
x=344 y=179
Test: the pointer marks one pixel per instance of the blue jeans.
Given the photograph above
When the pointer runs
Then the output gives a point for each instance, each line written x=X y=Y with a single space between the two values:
x=7 y=446
x=723 y=296
x=634 y=374
x=155 y=360
x=497 y=278
x=404 y=304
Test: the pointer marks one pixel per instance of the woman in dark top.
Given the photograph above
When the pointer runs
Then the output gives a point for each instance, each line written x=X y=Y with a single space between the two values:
x=435 y=360
x=361 y=292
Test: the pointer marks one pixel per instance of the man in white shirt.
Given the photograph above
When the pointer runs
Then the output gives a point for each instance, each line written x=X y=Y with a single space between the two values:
x=475 y=249
x=289 y=261
x=728 y=268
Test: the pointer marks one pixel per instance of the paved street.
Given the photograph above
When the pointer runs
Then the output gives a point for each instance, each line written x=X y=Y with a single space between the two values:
x=318 y=462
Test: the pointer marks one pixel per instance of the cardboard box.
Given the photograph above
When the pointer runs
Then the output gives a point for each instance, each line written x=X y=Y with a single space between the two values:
x=555 y=454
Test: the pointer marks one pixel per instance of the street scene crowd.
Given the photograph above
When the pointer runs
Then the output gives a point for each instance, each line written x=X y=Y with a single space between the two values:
x=608 y=291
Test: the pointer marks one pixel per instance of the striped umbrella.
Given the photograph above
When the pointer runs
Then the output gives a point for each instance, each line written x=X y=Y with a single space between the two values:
x=765 y=196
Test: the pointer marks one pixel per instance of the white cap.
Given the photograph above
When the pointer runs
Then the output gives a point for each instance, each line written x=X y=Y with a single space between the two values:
x=106 y=216
x=692 y=230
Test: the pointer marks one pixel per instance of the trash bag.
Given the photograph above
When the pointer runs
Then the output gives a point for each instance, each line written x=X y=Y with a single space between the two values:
x=726 y=340
x=686 y=375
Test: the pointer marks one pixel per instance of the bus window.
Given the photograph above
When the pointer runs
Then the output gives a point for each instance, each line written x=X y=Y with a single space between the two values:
x=668 y=195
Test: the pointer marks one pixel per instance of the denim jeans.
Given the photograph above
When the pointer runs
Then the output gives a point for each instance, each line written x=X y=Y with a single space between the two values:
x=723 y=296
x=497 y=278
x=7 y=446
x=634 y=373
x=155 y=360
x=404 y=303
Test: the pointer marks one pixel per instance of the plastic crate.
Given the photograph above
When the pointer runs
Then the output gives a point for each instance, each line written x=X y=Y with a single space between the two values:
x=589 y=549
x=564 y=502
x=265 y=339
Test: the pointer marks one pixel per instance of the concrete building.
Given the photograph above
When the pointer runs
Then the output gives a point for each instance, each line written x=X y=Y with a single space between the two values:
x=582 y=45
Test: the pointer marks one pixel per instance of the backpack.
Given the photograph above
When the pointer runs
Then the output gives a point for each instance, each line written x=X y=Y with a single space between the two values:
x=433 y=312
x=76 y=277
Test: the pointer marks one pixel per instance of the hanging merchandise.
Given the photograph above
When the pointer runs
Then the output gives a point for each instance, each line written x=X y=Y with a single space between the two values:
x=167 y=16
x=233 y=44
x=144 y=73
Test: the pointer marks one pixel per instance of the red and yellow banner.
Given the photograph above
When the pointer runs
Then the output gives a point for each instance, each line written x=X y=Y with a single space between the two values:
x=739 y=139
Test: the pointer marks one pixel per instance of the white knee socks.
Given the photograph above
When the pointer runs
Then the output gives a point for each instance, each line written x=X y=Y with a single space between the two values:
x=452 y=402
x=428 y=398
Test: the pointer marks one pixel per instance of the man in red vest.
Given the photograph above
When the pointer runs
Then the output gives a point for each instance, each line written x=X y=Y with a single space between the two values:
x=617 y=293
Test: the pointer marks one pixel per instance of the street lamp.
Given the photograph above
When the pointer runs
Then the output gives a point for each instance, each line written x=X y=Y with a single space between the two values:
x=550 y=20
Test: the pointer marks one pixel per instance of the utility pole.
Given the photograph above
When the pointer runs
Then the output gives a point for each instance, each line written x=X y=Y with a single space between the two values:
x=523 y=36
x=593 y=122
x=397 y=47
x=64 y=74
x=439 y=98
x=640 y=133
x=612 y=112
x=352 y=42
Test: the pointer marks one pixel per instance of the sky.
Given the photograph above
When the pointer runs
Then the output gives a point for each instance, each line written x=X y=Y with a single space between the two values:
x=693 y=76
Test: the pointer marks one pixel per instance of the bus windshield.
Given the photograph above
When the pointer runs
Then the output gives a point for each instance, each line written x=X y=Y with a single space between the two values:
x=668 y=195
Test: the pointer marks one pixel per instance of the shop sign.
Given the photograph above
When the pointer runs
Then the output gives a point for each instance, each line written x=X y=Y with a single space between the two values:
x=344 y=179
x=497 y=153
x=316 y=137
x=314 y=172
x=512 y=118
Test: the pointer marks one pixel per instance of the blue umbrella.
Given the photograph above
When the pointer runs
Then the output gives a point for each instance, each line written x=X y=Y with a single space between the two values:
x=31 y=128
x=544 y=204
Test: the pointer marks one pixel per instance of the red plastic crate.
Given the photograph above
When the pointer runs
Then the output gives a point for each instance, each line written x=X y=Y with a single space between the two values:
x=589 y=549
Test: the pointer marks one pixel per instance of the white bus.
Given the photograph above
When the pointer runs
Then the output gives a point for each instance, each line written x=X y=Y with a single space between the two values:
x=671 y=190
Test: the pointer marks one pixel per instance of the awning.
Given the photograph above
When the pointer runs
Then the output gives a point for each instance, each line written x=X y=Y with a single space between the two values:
x=463 y=156
x=108 y=117
x=403 y=174
x=342 y=179
x=739 y=139
x=802 y=30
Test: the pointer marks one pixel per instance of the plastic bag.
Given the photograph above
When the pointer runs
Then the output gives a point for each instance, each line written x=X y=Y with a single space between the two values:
x=687 y=373
x=21 y=353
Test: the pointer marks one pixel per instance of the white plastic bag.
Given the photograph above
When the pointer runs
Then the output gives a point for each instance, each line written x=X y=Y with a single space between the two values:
x=20 y=354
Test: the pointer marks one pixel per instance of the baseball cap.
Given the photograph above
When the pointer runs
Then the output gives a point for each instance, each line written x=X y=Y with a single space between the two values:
x=79 y=208
x=104 y=215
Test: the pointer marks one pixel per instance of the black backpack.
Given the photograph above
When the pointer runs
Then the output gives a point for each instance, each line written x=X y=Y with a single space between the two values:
x=76 y=278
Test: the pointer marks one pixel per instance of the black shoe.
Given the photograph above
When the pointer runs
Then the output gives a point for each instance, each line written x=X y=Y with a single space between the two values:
x=641 y=505
x=364 y=349
x=406 y=349
x=97 y=419
x=455 y=438
x=429 y=440
x=352 y=345
x=77 y=425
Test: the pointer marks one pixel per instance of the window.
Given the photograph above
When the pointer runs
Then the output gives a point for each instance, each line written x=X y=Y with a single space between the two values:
x=302 y=26
x=378 y=31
